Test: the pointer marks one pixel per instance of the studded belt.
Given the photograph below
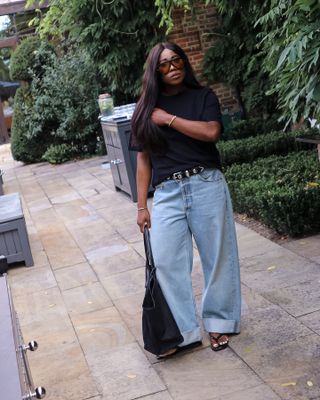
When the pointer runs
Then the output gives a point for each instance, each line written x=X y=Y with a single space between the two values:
x=177 y=176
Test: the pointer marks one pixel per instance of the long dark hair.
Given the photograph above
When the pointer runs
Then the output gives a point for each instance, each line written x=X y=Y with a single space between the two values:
x=145 y=132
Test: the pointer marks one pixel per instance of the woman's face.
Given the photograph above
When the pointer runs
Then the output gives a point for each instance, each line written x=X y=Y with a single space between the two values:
x=171 y=68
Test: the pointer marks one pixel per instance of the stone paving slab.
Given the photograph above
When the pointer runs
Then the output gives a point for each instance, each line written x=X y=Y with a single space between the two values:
x=164 y=395
x=39 y=306
x=65 y=373
x=73 y=210
x=122 y=214
x=82 y=300
x=206 y=374
x=289 y=367
x=82 y=233
x=299 y=299
x=118 y=257
x=261 y=392
x=251 y=244
x=43 y=218
x=277 y=258
x=306 y=247
x=124 y=373
x=125 y=284
x=86 y=298
x=130 y=233
x=28 y=282
x=75 y=276
x=139 y=247
x=39 y=204
x=100 y=331
x=95 y=398
x=53 y=338
x=39 y=255
x=277 y=275
x=312 y=321
x=103 y=200
x=265 y=325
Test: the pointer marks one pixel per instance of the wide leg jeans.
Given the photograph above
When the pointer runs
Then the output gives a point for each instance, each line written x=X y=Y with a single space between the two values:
x=197 y=207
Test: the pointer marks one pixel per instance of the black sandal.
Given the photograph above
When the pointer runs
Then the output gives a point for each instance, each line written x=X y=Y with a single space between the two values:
x=179 y=349
x=216 y=340
x=168 y=354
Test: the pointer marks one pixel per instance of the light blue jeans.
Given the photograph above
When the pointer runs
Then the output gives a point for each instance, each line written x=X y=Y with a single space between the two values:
x=198 y=207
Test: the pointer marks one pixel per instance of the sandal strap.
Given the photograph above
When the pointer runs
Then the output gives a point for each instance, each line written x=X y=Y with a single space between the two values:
x=216 y=338
x=219 y=336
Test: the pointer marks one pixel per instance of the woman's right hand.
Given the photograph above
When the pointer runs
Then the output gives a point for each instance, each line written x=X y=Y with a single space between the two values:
x=143 y=219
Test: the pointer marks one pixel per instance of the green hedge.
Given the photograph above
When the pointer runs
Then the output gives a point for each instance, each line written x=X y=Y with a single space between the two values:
x=249 y=149
x=283 y=192
x=240 y=129
x=23 y=147
x=23 y=58
x=66 y=108
x=59 y=153
x=56 y=112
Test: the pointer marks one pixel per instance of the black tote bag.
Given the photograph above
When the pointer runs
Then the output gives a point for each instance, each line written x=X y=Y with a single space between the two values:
x=159 y=328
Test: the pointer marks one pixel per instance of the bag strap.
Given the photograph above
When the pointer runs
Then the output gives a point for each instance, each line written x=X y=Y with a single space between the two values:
x=150 y=277
x=147 y=248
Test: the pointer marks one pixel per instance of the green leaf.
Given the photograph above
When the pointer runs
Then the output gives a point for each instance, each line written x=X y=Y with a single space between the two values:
x=283 y=57
x=316 y=93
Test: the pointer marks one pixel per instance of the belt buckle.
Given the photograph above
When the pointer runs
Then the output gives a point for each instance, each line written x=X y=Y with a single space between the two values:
x=177 y=176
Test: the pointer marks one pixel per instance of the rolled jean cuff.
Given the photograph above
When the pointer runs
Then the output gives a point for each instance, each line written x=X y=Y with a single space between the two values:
x=221 y=325
x=191 y=337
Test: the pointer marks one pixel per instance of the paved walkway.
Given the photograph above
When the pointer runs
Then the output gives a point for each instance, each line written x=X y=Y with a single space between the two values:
x=82 y=301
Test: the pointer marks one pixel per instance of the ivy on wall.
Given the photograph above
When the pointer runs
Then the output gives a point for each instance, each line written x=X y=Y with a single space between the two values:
x=290 y=41
x=266 y=48
x=116 y=34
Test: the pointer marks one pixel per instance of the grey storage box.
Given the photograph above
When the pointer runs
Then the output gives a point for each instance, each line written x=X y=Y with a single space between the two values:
x=14 y=242
x=1 y=182
x=16 y=382
x=123 y=162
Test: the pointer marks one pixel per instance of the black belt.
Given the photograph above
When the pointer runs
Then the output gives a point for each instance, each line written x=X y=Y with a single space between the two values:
x=177 y=176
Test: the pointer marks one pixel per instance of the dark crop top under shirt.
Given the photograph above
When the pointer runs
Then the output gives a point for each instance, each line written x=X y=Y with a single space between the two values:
x=185 y=152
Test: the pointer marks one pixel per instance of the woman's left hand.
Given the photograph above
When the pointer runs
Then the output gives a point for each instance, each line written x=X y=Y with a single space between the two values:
x=160 y=117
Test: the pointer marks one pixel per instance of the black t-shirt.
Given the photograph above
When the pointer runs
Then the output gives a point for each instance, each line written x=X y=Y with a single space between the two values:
x=183 y=151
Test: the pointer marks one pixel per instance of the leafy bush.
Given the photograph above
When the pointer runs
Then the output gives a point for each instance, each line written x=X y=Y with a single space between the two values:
x=60 y=114
x=23 y=59
x=234 y=57
x=44 y=56
x=282 y=192
x=241 y=129
x=23 y=147
x=59 y=153
x=65 y=104
x=4 y=70
x=290 y=47
x=116 y=34
x=251 y=148
x=30 y=61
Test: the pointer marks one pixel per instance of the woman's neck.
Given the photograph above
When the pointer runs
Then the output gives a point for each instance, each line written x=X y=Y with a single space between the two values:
x=172 y=90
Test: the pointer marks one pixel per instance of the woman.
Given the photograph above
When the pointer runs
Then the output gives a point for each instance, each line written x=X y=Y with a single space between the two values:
x=175 y=126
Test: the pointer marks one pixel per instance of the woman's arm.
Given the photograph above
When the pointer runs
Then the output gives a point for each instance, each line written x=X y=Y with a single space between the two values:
x=201 y=130
x=143 y=182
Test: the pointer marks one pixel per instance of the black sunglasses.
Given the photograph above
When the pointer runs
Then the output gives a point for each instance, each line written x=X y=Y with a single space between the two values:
x=164 y=67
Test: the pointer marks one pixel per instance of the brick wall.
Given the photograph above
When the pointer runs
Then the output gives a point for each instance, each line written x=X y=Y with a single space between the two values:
x=194 y=35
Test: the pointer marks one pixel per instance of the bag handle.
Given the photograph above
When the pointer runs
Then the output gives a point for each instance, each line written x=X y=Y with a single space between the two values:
x=147 y=248
x=150 y=278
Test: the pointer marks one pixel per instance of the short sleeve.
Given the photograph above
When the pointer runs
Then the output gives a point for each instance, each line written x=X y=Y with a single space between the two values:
x=211 y=108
